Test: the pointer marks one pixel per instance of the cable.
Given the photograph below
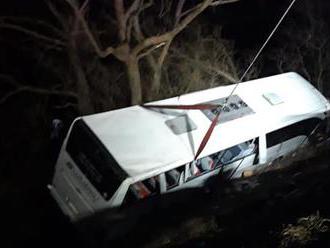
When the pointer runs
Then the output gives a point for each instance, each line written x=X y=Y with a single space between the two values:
x=251 y=64
x=260 y=50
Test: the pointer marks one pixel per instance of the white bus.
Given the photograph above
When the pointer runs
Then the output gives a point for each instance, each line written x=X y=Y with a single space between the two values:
x=111 y=158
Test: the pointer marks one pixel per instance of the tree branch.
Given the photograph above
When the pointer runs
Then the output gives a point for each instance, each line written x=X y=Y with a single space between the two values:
x=101 y=53
x=218 y=71
x=36 y=91
x=25 y=20
x=215 y=3
x=137 y=29
x=222 y=2
x=133 y=8
x=154 y=40
x=146 y=5
x=140 y=37
x=178 y=12
x=164 y=52
x=121 y=19
x=150 y=50
x=32 y=33
x=57 y=14
x=133 y=11
x=83 y=7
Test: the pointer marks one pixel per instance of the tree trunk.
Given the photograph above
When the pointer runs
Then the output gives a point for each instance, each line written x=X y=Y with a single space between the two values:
x=134 y=79
x=85 y=105
x=157 y=70
x=155 y=87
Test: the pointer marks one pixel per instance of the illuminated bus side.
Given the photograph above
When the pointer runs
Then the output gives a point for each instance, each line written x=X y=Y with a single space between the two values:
x=117 y=157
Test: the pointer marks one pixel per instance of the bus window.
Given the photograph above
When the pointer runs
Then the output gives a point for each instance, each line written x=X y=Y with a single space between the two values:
x=237 y=152
x=205 y=164
x=201 y=166
x=222 y=158
x=142 y=190
x=321 y=133
x=174 y=177
x=301 y=128
x=230 y=154
x=130 y=198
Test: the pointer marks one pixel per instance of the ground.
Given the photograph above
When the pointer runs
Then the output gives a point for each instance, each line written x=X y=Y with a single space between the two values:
x=249 y=212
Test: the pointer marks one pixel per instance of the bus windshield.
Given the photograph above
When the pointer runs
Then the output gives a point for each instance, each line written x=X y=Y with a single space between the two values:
x=94 y=160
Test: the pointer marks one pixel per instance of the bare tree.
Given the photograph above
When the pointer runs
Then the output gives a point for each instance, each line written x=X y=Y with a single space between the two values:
x=131 y=44
x=202 y=59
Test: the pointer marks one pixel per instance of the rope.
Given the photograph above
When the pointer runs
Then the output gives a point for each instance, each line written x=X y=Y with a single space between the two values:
x=209 y=132
x=220 y=108
x=260 y=50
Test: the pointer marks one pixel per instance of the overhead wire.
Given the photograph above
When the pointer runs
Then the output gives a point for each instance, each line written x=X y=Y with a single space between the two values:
x=215 y=120
x=254 y=60
x=262 y=47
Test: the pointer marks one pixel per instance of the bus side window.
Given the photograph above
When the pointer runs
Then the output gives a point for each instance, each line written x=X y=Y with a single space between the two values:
x=222 y=158
x=200 y=167
x=301 y=128
x=141 y=190
x=174 y=177
x=130 y=198
x=321 y=133
x=237 y=152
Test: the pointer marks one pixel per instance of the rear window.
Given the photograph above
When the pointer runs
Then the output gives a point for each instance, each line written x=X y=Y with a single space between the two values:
x=94 y=160
x=301 y=128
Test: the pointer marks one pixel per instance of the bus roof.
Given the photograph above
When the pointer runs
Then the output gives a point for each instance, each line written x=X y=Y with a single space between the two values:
x=146 y=142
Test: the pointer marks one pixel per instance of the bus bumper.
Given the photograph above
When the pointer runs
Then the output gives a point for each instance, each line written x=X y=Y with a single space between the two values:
x=65 y=205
